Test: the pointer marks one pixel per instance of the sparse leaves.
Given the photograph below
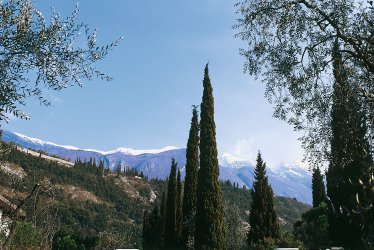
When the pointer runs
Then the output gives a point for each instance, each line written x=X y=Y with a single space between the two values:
x=289 y=47
x=36 y=56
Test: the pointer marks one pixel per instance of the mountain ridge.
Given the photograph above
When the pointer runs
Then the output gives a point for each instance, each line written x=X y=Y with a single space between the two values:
x=120 y=149
x=288 y=180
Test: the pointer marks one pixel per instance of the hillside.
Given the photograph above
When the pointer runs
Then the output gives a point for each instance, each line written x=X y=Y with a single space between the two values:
x=96 y=208
x=289 y=180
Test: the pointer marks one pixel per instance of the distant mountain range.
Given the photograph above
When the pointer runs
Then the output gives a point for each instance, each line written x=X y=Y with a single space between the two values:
x=288 y=180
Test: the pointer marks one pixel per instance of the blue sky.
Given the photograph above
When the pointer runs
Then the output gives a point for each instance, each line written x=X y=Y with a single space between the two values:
x=158 y=72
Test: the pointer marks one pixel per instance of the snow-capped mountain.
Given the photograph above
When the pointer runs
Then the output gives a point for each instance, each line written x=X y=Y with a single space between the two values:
x=232 y=161
x=289 y=180
x=50 y=145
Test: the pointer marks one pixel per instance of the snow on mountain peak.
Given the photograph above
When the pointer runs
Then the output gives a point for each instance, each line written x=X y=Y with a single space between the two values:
x=292 y=165
x=230 y=160
x=130 y=151
x=288 y=179
x=42 y=143
x=296 y=169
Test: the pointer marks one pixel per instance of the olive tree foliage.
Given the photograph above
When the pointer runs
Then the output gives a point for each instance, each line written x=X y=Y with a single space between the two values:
x=289 y=45
x=235 y=228
x=37 y=55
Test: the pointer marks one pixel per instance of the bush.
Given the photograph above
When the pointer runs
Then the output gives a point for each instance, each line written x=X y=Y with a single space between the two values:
x=312 y=230
x=26 y=236
x=124 y=238
x=287 y=239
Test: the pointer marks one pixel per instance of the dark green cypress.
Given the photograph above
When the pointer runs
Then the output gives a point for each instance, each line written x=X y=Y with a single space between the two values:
x=151 y=229
x=170 y=238
x=262 y=219
x=192 y=166
x=119 y=169
x=163 y=219
x=318 y=187
x=349 y=183
x=101 y=168
x=179 y=214
x=209 y=228
x=190 y=181
x=146 y=226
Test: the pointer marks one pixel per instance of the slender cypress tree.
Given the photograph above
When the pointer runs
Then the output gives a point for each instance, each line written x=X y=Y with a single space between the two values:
x=262 y=219
x=146 y=226
x=163 y=219
x=209 y=228
x=151 y=229
x=119 y=169
x=318 y=187
x=349 y=184
x=190 y=182
x=192 y=166
x=170 y=238
x=101 y=168
x=179 y=207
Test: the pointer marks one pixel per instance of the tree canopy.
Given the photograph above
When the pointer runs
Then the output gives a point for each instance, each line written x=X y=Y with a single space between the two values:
x=289 y=45
x=36 y=55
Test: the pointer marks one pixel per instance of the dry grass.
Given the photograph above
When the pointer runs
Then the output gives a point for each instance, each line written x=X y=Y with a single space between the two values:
x=132 y=184
x=79 y=194
x=12 y=169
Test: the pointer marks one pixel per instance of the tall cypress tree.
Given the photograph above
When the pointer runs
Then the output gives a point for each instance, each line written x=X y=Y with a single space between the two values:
x=190 y=181
x=170 y=238
x=318 y=187
x=119 y=169
x=101 y=168
x=192 y=166
x=262 y=219
x=349 y=184
x=209 y=228
x=163 y=219
x=179 y=213
x=151 y=229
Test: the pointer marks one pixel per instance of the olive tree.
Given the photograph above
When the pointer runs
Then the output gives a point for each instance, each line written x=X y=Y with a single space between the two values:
x=36 y=55
x=289 y=46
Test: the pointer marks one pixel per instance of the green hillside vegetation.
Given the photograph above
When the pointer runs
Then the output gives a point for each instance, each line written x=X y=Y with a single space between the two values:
x=289 y=210
x=83 y=208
